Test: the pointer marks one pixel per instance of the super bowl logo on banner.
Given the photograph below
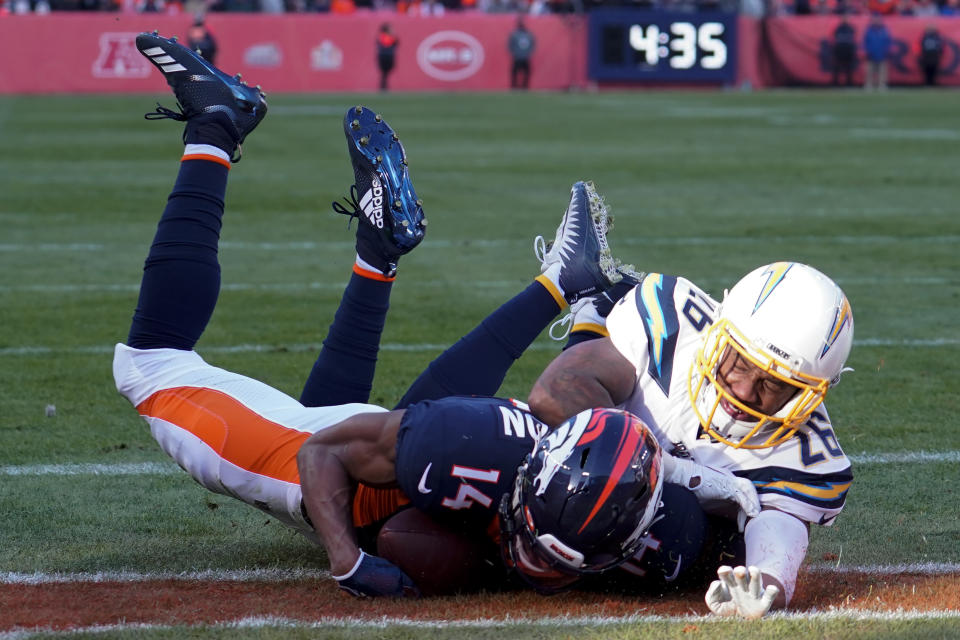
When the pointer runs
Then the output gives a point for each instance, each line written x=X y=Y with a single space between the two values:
x=118 y=57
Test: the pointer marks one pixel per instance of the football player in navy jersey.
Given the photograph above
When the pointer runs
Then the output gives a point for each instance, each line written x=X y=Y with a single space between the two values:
x=319 y=465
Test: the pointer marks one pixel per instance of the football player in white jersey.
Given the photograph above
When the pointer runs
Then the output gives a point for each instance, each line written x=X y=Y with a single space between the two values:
x=737 y=386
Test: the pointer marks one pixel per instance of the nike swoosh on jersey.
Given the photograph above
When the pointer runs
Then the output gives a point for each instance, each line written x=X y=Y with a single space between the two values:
x=422 y=487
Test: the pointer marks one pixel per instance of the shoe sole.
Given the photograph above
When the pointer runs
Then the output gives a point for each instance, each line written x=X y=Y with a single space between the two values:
x=372 y=139
x=601 y=224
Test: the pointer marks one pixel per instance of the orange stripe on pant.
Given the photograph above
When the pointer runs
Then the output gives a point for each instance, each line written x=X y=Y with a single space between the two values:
x=250 y=441
x=235 y=432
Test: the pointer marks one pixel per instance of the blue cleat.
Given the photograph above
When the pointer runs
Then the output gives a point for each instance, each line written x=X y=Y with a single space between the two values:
x=391 y=216
x=578 y=261
x=204 y=94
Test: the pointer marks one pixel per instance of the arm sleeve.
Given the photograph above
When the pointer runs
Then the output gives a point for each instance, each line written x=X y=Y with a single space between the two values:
x=776 y=544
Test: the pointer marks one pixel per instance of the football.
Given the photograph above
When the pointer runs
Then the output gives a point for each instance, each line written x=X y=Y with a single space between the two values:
x=438 y=558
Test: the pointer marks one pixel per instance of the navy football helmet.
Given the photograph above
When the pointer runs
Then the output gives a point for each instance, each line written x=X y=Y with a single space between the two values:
x=582 y=500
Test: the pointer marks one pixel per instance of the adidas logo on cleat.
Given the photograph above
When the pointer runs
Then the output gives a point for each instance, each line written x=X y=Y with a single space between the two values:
x=372 y=203
x=160 y=58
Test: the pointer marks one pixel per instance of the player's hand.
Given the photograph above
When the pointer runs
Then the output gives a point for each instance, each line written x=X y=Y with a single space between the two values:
x=374 y=577
x=733 y=594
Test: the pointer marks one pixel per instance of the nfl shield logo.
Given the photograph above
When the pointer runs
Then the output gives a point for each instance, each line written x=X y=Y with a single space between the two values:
x=119 y=58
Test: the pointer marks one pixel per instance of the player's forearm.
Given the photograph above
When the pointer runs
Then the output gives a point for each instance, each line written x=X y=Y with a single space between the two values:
x=557 y=396
x=587 y=375
x=776 y=543
x=327 y=494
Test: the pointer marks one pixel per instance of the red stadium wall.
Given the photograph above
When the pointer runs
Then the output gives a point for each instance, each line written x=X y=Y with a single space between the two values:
x=297 y=52
x=798 y=49
x=81 y=52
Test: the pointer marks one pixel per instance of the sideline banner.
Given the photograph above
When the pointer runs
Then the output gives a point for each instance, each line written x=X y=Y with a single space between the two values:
x=799 y=49
x=83 y=52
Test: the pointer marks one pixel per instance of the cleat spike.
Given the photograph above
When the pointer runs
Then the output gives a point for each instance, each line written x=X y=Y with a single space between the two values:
x=355 y=124
x=395 y=137
x=405 y=223
x=365 y=140
x=419 y=202
x=156 y=32
x=358 y=109
x=423 y=222
x=259 y=88
x=173 y=38
x=397 y=204
x=378 y=117
x=238 y=77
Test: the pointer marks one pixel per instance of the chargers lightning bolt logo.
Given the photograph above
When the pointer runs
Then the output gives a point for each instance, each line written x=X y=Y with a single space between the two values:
x=775 y=274
x=655 y=304
x=842 y=316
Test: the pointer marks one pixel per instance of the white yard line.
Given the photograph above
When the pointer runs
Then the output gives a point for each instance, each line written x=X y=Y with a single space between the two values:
x=382 y=622
x=166 y=468
x=282 y=575
x=542 y=345
x=440 y=243
x=208 y=575
x=505 y=285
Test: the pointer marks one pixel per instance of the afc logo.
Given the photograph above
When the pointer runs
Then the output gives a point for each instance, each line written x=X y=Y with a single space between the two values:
x=118 y=57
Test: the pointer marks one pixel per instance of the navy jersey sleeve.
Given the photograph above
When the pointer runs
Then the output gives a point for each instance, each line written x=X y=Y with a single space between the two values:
x=456 y=457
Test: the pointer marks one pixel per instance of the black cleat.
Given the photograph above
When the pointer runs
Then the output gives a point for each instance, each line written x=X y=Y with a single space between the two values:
x=391 y=217
x=203 y=92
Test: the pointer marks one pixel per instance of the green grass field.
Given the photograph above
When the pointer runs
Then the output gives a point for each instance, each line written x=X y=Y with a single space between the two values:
x=704 y=185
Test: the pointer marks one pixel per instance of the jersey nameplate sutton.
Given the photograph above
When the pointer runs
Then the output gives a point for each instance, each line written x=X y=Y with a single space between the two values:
x=658 y=327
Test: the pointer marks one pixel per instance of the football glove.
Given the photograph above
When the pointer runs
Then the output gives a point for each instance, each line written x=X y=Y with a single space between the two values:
x=733 y=595
x=373 y=577
x=710 y=484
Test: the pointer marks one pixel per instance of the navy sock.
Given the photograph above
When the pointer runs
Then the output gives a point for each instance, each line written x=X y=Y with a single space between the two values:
x=181 y=276
x=345 y=367
x=478 y=362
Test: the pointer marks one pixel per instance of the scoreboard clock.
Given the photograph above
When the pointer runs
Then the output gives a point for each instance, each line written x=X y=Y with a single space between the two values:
x=636 y=45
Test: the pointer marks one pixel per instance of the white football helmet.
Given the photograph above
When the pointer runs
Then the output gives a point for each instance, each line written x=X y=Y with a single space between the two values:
x=791 y=322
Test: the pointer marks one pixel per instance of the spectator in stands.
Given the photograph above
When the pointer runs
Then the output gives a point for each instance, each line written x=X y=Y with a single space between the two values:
x=931 y=51
x=876 y=45
x=386 y=53
x=521 y=45
x=200 y=39
x=844 y=52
